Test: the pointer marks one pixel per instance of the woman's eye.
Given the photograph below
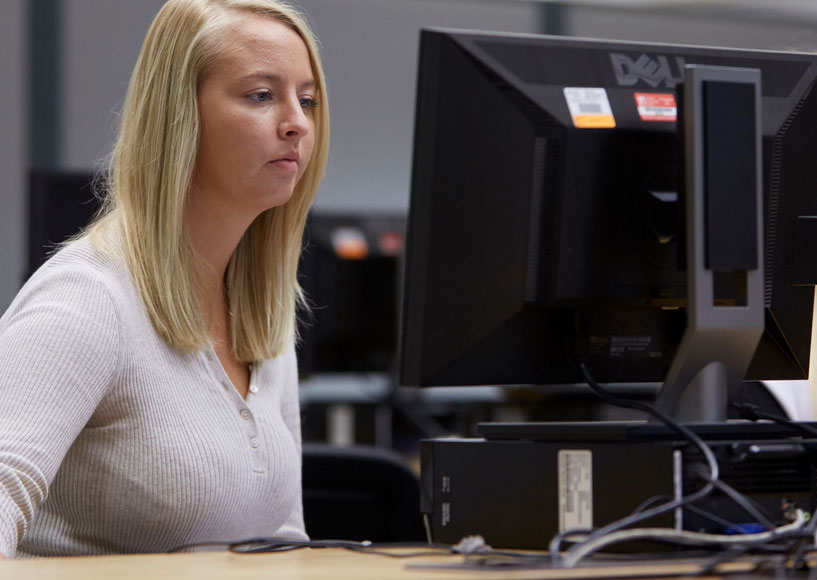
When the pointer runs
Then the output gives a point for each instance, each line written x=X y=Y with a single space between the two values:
x=261 y=96
x=308 y=103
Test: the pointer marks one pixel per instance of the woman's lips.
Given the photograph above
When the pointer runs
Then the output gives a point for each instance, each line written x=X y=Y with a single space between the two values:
x=286 y=164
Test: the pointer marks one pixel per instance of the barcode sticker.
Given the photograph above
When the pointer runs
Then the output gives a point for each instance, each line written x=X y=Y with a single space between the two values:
x=589 y=108
x=575 y=472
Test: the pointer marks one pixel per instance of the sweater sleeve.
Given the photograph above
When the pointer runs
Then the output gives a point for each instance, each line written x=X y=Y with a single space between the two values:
x=59 y=342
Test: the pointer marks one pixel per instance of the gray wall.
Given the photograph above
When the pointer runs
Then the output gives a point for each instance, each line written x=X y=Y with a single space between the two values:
x=101 y=41
x=370 y=54
x=703 y=24
x=13 y=146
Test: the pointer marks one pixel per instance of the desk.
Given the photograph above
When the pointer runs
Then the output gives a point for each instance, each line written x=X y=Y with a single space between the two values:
x=315 y=564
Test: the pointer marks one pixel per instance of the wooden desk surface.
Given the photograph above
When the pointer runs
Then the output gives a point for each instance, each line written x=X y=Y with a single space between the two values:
x=314 y=564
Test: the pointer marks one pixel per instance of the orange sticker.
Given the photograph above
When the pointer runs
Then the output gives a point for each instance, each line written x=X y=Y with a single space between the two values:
x=656 y=106
x=589 y=108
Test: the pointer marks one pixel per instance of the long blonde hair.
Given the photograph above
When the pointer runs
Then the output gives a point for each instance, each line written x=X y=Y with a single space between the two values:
x=150 y=174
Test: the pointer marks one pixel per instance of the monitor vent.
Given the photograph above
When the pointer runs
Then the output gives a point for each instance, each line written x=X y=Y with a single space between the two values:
x=771 y=475
x=774 y=200
x=794 y=474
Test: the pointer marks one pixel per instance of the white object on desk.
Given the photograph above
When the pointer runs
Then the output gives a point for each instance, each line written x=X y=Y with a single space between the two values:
x=795 y=397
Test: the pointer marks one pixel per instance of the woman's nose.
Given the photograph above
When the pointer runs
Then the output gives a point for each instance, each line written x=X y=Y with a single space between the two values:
x=296 y=121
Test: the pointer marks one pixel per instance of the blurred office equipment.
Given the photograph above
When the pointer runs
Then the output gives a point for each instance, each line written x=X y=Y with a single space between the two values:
x=350 y=272
x=360 y=493
x=60 y=203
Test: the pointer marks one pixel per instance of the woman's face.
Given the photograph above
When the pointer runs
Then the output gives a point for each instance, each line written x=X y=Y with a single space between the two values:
x=256 y=111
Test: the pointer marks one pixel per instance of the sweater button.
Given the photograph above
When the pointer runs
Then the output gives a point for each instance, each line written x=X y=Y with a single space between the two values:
x=253 y=389
x=245 y=414
x=254 y=442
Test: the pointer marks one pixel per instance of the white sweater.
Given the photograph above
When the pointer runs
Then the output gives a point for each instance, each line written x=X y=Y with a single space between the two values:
x=113 y=442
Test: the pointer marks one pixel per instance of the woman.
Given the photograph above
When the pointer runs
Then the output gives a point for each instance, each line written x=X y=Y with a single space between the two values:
x=148 y=387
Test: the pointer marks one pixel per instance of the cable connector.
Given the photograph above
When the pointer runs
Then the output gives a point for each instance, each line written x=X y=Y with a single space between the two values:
x=749 y=411
x=471 y=545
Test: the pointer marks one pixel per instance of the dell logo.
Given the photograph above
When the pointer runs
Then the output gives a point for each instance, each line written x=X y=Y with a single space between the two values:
x=653 y=71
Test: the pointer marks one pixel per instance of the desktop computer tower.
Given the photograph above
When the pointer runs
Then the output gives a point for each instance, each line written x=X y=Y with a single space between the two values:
x=519 y=491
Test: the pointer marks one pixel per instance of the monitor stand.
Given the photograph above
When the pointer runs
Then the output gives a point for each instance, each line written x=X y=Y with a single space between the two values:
x=721 y=126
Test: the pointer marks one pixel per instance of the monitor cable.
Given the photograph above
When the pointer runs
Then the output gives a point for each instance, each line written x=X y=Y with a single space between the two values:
x=589 y=543
x=753 y=412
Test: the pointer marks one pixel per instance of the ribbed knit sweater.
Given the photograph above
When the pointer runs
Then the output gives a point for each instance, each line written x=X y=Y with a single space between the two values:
x=113 y=442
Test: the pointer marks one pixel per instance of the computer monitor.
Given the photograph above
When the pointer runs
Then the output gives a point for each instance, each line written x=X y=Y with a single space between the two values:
x=549 y=223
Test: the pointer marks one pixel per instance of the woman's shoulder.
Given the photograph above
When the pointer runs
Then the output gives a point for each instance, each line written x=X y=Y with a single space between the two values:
x=83 y=261
x=67 y=310
x=84 y=256
x=78 y=275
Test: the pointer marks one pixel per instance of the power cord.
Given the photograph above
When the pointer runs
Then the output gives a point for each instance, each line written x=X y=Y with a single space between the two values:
x=593 y=544
x=753 y=412
x=588 y=543
x=685 y=432
x=263 y=545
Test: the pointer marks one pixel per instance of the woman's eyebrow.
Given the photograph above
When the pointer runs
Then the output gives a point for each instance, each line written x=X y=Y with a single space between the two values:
x=274 y=78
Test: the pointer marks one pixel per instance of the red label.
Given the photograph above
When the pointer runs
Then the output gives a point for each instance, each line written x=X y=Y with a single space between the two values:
x=656 y=106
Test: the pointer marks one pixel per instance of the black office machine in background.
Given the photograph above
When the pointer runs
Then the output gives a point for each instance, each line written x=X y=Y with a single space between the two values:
x=60 y=203
x=350 y=272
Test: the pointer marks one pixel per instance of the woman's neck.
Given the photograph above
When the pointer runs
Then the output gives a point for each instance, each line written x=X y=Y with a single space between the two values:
x=214 y=232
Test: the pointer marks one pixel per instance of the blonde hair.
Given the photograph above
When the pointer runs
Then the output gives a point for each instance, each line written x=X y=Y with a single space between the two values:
x=151 y=170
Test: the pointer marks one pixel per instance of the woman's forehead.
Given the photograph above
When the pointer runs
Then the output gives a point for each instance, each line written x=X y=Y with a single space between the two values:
x=252 y=41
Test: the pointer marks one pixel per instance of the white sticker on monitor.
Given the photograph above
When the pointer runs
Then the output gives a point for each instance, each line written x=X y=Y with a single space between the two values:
x=589 y=108
x=575 y=468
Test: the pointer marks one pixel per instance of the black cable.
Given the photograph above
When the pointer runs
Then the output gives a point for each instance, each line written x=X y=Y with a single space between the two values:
x=264 y=545
x=765 y=542
x=556 y=543
x=649 y=501
x=661 y=509
x=753 y=412
x=747 y=504
x=692 y=508
x=713 y=481
x=713 y=518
